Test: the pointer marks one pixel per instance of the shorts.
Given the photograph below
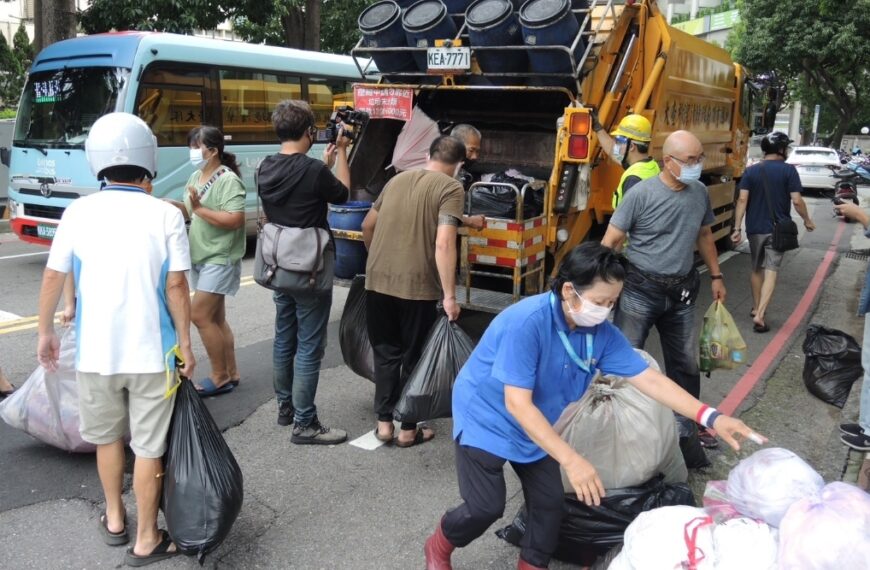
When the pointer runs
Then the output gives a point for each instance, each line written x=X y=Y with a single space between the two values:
x=217 y=279
x=109 y=405
x=762 y=254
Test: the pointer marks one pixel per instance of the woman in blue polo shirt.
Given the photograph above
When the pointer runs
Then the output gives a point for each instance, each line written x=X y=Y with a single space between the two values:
x=534 y=359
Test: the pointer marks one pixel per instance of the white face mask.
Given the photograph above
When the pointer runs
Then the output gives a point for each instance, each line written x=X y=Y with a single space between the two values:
x=589 y=314
x=690 y=173
x=196 y=158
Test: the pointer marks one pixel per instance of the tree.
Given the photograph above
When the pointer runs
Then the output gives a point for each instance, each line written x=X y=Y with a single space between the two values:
x=819 y=47
x=10 y=74
x=54 y=20
x=22 y=47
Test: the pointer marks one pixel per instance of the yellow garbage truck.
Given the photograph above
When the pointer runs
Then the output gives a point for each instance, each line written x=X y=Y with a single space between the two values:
x=536 y=126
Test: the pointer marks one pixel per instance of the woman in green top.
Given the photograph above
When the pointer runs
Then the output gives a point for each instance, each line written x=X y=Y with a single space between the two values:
x=215 y=205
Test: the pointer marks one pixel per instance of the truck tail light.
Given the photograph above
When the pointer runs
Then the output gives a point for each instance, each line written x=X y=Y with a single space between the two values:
x=580 y=124
x=578 y=146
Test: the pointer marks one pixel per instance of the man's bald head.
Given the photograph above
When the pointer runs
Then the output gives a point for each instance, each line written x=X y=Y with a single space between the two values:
x=682 y=153
x=682 y=144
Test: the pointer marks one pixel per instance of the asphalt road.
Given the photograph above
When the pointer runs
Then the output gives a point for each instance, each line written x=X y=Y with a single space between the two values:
x=342 y=507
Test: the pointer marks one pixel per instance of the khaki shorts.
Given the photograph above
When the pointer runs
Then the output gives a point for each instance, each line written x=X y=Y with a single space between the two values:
x=762 y=254
x=109 y=405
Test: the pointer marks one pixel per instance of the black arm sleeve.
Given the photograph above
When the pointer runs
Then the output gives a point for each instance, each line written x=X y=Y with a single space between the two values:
x=331 y=188
x=629 y=182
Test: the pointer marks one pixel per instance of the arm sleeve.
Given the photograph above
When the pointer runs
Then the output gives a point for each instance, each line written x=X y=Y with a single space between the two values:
x=618 y=357
x=380 y=199
x=331 y=188
x=794 y=181
x=709 y=218
x=177 y=246
x=623 y=217
x=451 y=201
x=233 y=194
x=516 y=359
x=60 y=257
x=745 y=181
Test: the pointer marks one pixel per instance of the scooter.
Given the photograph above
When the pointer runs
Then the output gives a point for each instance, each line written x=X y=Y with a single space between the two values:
x=847 y=186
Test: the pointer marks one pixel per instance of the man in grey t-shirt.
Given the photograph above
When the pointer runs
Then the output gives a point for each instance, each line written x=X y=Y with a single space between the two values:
x=667 y=216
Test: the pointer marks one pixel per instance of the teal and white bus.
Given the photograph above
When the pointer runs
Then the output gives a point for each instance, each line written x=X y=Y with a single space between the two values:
x=174 y=83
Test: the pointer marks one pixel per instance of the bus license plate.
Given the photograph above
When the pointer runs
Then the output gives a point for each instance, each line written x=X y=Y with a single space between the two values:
x=46 y=231
x=448 y=58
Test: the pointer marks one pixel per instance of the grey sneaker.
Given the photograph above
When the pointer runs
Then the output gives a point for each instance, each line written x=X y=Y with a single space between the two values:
x=316 y=433
x=285 y=413
x=857 y=442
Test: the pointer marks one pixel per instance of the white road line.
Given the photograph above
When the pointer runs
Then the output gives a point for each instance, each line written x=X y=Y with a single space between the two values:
x=4 y=316
x=369 y=442
x=23 y=255
x=722 y=259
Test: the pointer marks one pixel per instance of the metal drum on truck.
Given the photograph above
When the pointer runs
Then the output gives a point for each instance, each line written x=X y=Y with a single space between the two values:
x=425 y=22
x=550 y=23
x=381 y=27
x=493 y=23
x=350 y=255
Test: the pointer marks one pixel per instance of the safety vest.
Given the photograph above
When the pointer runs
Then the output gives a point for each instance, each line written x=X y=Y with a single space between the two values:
x=643 y=169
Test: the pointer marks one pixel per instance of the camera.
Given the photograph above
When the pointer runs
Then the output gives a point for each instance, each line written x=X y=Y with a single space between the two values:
x=346 y=115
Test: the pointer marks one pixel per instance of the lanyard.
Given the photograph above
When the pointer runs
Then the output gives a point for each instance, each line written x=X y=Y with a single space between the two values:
x=585 y=365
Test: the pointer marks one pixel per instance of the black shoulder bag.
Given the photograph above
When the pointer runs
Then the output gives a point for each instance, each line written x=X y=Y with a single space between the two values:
x=785 y=233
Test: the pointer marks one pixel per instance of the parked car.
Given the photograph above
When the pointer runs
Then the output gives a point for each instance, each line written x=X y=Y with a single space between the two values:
x=816 y=166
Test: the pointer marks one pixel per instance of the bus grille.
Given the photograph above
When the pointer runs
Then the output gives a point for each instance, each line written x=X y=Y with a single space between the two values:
x=39 y=211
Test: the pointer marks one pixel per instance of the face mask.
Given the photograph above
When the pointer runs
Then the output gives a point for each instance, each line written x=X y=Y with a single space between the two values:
x=689 y=173
x=589 y=314
x=196 y=158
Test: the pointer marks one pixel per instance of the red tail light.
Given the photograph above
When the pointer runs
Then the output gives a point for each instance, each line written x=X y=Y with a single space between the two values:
x=578 y=146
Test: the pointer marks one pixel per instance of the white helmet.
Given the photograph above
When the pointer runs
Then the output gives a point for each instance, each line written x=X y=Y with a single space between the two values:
x=121 y=139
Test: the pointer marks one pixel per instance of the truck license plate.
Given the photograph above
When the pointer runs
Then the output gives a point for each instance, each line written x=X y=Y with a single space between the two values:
x=448 y=58
x=46 y=231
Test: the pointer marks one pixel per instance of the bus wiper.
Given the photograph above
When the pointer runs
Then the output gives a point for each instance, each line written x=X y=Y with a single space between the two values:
x=40 y=147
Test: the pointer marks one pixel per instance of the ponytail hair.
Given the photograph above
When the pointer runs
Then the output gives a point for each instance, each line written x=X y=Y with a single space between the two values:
x=212 y=137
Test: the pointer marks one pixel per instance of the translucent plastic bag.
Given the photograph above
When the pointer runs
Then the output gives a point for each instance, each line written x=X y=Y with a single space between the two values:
x=668 y=538
x=744 y=544
x=428 y=393
x=829 y=531
x=47 y=405
x=353 y=332
x=626 y=435
x=203 y=485
x=768 y=482
x=722 y=346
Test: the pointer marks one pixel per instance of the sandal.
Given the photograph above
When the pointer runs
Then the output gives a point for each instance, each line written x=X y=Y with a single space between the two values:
x=206 y=387
x=760 y=328
x=389 y=438
x=113 y=538
x=160 y=552
x=419 y=437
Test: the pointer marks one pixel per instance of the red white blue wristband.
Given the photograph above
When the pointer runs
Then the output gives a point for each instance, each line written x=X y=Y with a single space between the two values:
x=707 y=416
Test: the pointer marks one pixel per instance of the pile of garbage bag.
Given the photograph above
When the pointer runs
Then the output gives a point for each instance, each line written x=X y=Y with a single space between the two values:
x=832 y=364
x=501 y=201
x=353 y=332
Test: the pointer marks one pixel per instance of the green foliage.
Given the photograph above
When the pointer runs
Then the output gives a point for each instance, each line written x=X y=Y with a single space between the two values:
x=7 y=113
x=339 y=32
x=156 y=15
x=22 y=47
x=11 y=74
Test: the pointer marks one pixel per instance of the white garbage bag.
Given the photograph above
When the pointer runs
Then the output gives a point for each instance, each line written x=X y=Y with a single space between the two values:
x=744 y=544
x=668 y=538
x=765 y=484
x=626 y=435
x=47 y=405
x=827 y=531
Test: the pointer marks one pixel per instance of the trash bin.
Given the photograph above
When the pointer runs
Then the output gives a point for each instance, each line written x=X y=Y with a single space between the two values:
x=350 y=255
x=381 y=27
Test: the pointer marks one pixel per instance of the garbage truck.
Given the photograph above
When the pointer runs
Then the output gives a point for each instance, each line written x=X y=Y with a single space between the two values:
x=531 y=97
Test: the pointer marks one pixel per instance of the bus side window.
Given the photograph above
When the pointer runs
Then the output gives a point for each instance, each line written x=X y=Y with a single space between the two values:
x=171 y=100
x=247 y=101
x=325 y=94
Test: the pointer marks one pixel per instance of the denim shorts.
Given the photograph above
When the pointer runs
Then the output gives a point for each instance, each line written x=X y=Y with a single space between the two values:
x=217 y=279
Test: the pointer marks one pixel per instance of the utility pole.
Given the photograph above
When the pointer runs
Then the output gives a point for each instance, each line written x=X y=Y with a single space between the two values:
x=53 y=20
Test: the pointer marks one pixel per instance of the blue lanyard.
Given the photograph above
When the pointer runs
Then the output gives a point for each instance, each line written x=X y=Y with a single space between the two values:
x=587 y=365
x=124 y=188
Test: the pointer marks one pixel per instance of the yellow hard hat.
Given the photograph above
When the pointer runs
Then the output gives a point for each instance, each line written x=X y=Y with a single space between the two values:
x=635 y=127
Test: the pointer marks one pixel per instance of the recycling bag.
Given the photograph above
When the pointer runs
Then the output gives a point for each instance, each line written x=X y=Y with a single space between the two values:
x=353 y=332
x=428 y=393
x=832 y=364
x=722 y=346
x=202 y=488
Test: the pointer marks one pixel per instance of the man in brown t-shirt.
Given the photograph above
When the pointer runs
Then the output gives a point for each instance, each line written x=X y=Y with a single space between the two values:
x=411 y=236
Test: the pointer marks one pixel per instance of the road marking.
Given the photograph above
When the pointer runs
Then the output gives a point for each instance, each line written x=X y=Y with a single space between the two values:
x=369 y=442
x=773 y=349
x=722 y=259
x=4 y=316
x=23 y=255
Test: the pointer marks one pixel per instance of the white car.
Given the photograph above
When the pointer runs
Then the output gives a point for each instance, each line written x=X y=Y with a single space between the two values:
x=816 y=166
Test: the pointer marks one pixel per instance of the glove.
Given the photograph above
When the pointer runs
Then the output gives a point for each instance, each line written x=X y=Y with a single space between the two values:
x=596 y=125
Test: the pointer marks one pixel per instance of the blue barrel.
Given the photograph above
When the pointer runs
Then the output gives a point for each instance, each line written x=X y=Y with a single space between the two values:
x=550 y=23
x=493 y=23
x=381 y=26
x=425 y=22
x=350 y=255
x=457 y=6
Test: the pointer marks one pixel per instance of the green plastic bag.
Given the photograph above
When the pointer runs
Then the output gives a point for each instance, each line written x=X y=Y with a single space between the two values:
x=722 y=346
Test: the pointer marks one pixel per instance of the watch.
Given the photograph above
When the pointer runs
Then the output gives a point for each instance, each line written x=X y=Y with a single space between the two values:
x=720 y=276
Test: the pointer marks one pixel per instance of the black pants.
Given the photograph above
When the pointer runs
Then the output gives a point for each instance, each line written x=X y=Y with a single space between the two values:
x=482 y=487
x=397 y=330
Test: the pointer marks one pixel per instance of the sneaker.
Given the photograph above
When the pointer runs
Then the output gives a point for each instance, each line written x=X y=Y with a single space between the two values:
x=707 y=439
x=285 y=413
x=316 y=433
x=851 y=429
x=859 y=442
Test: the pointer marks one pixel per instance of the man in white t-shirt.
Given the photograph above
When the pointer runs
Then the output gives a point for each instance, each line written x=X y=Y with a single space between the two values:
x=128 y=253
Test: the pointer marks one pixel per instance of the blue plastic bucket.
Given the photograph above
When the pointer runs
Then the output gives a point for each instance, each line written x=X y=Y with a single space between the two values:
x=425 y=22
x=493 y=23
x=350 y=255
x=457 y=6
x=381 y=26
x=550 y=23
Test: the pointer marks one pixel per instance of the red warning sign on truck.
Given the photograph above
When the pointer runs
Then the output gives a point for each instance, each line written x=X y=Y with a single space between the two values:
x=384 y=103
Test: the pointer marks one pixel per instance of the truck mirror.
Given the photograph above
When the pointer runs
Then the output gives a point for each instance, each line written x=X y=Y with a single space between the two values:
x=4 y=156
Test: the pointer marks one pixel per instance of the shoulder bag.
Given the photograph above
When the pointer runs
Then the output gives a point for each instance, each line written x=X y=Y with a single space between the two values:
x=785 y=232
x=292 y=260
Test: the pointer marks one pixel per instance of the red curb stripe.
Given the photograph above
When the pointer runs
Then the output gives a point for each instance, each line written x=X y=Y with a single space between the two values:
x=772 y=351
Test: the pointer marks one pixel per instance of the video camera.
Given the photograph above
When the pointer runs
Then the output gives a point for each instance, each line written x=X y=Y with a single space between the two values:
x=346 y=115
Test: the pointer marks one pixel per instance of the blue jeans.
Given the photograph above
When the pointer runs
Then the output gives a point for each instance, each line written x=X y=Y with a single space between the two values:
x=645 y=303
x=300 y=341
x=864 y=415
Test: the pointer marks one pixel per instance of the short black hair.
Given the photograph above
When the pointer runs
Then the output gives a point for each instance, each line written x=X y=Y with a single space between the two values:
x=291 y=118
x=588 y=261
x=124 y=173
x=447 y=149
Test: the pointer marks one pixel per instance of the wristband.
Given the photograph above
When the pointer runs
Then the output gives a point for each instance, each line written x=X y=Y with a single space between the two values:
x=706 y=416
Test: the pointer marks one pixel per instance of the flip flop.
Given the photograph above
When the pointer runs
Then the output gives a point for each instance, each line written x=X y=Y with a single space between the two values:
x=389 y=439
x=235 y=383
x=760 y=328
x=160 y=552
x=206 y=388
x=113 y=538
x=419 y=437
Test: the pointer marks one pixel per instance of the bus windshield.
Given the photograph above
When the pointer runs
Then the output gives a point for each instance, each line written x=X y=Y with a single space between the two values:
x=58 y=107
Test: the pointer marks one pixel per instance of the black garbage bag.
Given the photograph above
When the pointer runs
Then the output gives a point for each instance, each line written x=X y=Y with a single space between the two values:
x=832 y=364
x=428 y=393
x=353 y=332
x=588 y=532
x=202 y=487
x=501 y=202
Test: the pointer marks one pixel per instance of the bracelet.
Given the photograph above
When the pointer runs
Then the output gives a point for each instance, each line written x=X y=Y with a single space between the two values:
x=706 y=416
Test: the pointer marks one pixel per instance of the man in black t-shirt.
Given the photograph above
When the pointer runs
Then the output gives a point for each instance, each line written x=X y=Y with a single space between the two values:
x=296 y=191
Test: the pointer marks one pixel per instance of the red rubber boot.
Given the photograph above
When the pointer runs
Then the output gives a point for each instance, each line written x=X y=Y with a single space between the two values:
x=438 y=550
x=523 y=565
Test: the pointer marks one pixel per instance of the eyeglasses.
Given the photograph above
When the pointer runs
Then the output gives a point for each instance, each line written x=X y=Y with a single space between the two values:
x=689 y=162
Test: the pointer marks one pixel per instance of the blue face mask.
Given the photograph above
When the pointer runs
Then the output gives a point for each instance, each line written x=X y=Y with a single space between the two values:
x=689 y=173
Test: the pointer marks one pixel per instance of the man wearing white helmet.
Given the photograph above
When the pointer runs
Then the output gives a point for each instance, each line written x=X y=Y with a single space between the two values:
x=128 y=253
